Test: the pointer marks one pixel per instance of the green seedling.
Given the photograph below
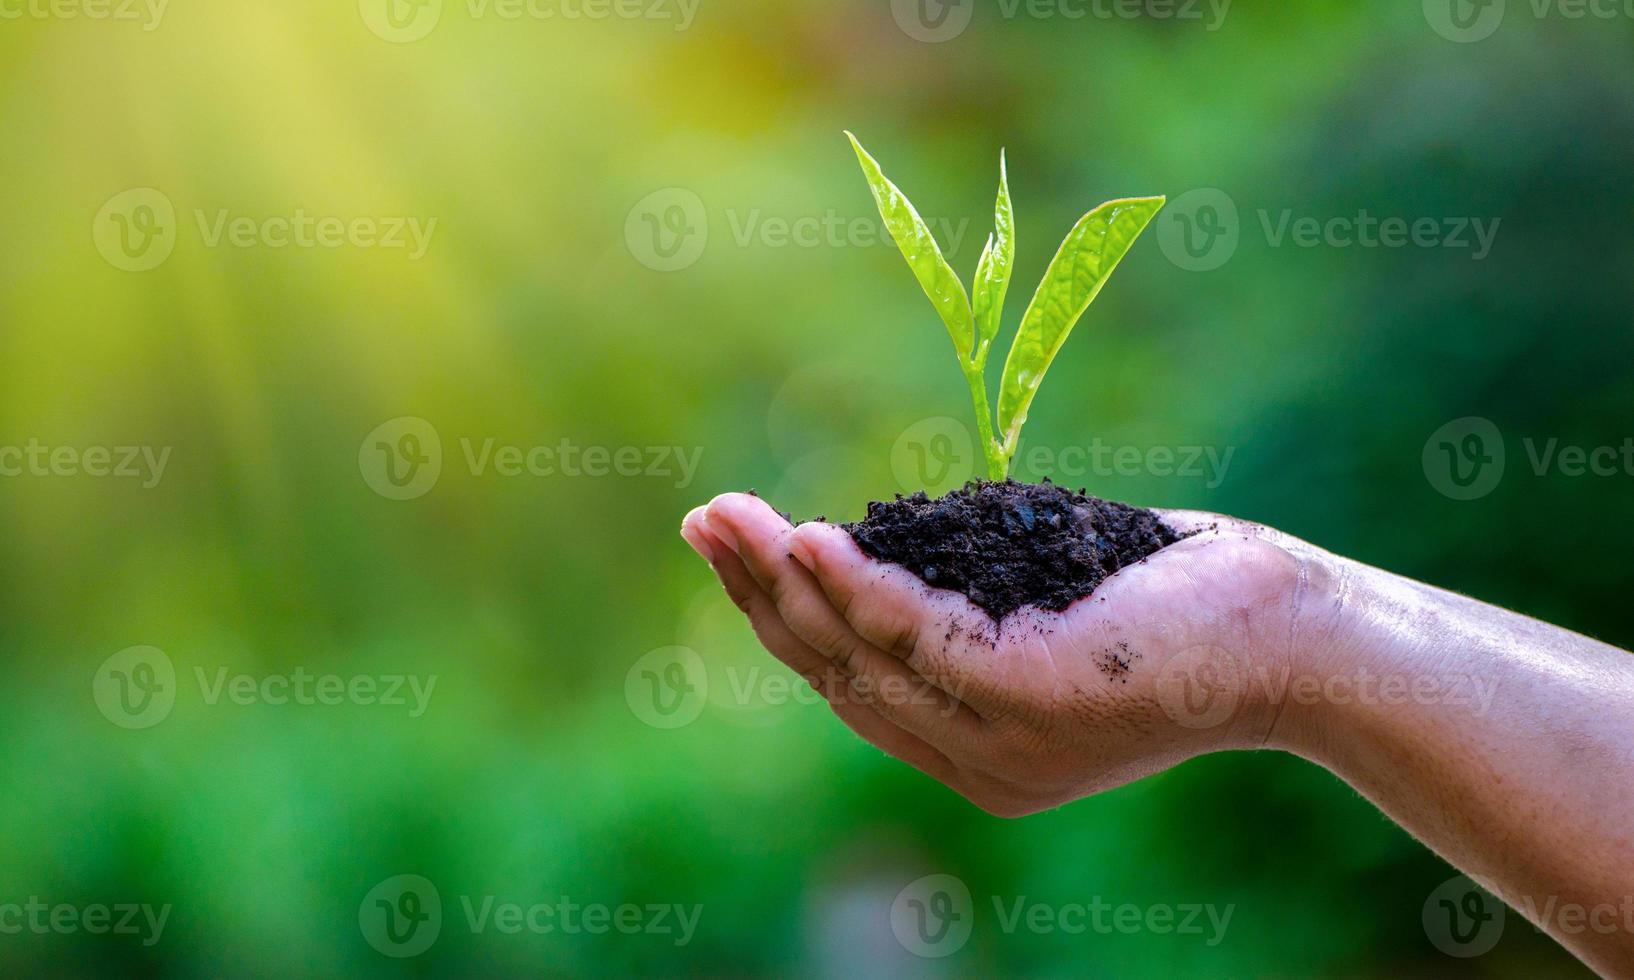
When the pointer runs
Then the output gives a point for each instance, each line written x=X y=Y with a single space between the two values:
x=1094 y=247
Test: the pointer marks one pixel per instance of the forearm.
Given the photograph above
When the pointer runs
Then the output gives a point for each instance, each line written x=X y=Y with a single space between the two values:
x=1511 y=754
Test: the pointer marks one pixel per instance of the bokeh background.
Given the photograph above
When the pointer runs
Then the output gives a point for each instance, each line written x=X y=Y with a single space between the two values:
x=645 y=237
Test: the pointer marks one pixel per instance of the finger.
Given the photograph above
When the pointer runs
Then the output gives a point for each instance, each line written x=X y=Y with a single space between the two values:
x=882 y=734
x=939 y=634
x=1199 y=523
x=774 y=634
x=692 y=529
x=760 y=536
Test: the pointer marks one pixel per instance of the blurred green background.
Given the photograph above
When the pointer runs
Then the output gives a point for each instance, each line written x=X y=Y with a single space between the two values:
x=609 y=267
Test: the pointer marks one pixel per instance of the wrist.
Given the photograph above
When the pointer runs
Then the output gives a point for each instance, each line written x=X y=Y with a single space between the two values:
x=1361 y=661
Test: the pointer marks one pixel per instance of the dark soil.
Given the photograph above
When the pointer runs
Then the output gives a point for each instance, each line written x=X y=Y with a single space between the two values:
x=1008 y=545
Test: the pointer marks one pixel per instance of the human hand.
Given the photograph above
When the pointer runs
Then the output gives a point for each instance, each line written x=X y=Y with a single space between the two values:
x=1154 y=668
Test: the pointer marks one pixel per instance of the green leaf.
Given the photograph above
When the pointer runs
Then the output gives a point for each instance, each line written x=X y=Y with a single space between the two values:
x=1091 y=251
x=993 y=271
x=918 y=246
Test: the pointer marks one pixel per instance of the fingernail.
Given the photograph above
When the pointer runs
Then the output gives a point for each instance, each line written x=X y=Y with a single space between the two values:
x=800 y=553
x=724 y=533
x=693 y=533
